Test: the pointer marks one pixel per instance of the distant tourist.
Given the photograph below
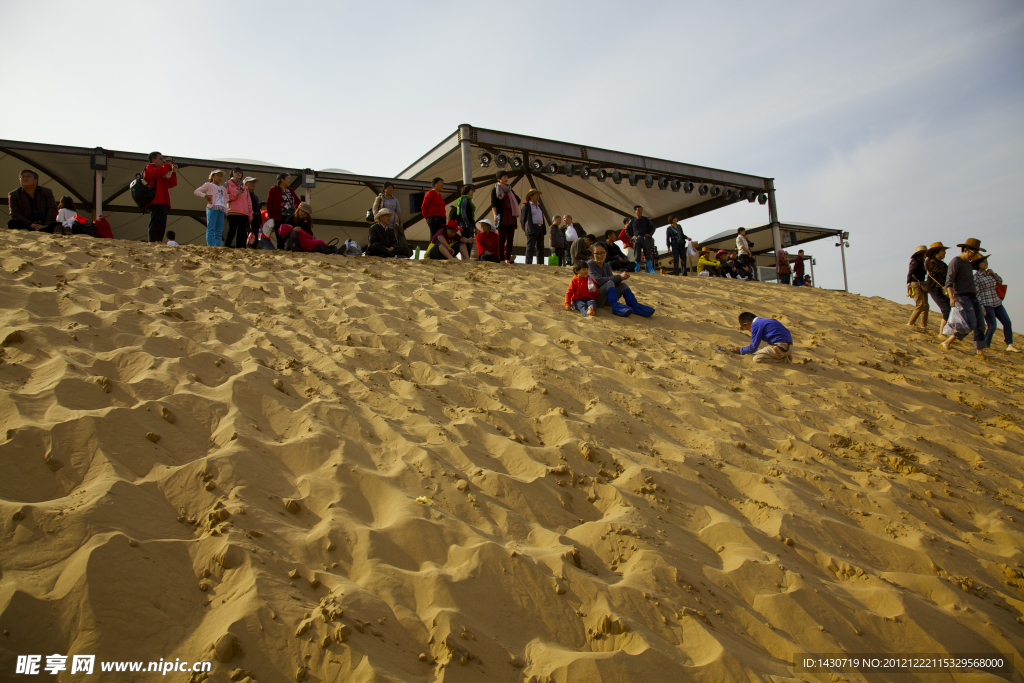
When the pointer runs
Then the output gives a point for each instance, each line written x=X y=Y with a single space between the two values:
x=239 y=212
x=987 y=281
x=676 y=244
x=642 y=230
x=963 y=293
x=556 y=238
x=626 y=237
x=706 y=265
x=383 y=239
x=771 y=331
x=782 y=269
x=582 y=292
x=387 y=200
x=917 y=287
x=465 y=214
x=303 y=217
x=744 y=253
x=798 y=268
x=612 y=286
x=935 y=265
x=161 y=175
x=534 y=227
x=171 y=239
x=691 y=256
x=581 y=248
x=281 y=203
x=807 y=281
x=505 y=213
x=447 y=243
x=69 y=222
x=571 y=233
x=486 y=242
x=256 y=222
x=432 y=207
x=616 y=258
x=216 y=196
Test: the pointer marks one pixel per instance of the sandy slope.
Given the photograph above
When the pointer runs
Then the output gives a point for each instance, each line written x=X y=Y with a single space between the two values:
x=211 y=454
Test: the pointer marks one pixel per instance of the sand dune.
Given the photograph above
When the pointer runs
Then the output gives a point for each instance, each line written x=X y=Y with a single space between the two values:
x=210 y=454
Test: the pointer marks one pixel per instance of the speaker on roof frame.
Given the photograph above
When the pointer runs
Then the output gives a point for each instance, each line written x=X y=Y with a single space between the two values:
x=676 y=184
x=688 y=187
x=485 y=159
x=601 y=175
x=585 y=173
x=617 y=177
x=569 y=169
x=633 y=179
x=762 y=199
x=703 y=189
x=716 y=191
x=649 y=180
x=662 y=183
x=536 y=164
x=517 y=162
x=729 y=192
x=751 y=196
x=501 y=160
x=551 y=169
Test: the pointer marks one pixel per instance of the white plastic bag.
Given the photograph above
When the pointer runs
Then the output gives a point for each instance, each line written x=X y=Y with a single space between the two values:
x=957 y=323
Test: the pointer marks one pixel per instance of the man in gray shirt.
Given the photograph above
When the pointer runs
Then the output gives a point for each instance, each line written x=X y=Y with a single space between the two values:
x=611 y=286
x=963 y=294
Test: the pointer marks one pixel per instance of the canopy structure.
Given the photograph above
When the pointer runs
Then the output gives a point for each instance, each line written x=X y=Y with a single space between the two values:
x=598 y=187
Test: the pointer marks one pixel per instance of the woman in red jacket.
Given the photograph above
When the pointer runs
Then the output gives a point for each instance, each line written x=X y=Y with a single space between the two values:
x=433 y=206
x=486 y=241
x=281 y=203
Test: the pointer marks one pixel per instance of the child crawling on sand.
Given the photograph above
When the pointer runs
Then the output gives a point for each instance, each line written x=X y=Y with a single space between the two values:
x=582 y=290
x=780 y=341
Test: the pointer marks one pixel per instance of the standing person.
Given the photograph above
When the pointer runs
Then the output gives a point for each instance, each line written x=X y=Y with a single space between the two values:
x=505 y=212
x=691 y=256
x=676 y=244
x=383 y=240
x=281 y=203
x=533 y=226
x=782 y=269
x=611 y=286
x=625 y=236
x=571 y=232
x=156 y=176
x=32 y=207
x=556 y=237
x=642 y=230
x=216 y=206
x=780 y=341
x=917 y=284
x=256 y=222
x=239 y=210
x=986 y=281
x=465 y=214
x=798 y=268
x=486 y=241
x=743 y=252
x=963 y=294
x=432 y=207
x=387 y=200
x=935 y=265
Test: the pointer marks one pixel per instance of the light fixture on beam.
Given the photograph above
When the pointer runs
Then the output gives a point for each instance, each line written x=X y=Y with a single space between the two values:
x=663 y=183
x=536 y=164
x=633 y=179
x=501 y=160
x=601 y=175
x=98 y=159
x=716 y=191
x=551 y=169
x=649 y=181
x=517 y=162
x=688 y=187
x=751 y=196
x=676 y=184
x=729 y=193
x=703 y=189
x=308 y=178
x=617 y=177
x=762 y=199
x=585 y=173
x=485 y=159
x=569 y=169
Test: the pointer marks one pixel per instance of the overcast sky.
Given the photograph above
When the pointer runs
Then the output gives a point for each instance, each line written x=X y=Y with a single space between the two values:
x=902 y=122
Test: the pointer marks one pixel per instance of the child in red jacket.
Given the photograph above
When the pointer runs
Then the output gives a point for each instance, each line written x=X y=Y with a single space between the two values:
x=582 y=290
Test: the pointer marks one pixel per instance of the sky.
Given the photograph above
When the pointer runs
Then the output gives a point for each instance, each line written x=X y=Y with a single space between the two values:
x=902 y=123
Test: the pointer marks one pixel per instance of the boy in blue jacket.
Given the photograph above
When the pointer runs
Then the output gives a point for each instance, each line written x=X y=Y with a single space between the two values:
x=780 y=341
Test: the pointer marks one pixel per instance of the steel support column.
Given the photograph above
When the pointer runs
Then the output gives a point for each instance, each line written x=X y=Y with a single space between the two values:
x=773 y=217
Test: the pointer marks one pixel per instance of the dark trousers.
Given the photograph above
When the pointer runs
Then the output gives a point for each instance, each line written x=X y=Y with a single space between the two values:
x=535 y=247
x=238 y=228
x=991 y=315
x=506 y=236
x=784 y=278
x=489 y=257
x=974 y=313
x=645 y=243
x=18 y=225
x=435 y=223
x=678 y=254
x=799 y=279
x=622 y=266
x=746 y=260
x=378 y=249
x=941 y=301
x=157 y=221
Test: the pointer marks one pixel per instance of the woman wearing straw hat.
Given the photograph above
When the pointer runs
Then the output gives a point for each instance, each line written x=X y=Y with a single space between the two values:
x=917 y=286
x=963 y=293
x=987 y=280
x=935 y=266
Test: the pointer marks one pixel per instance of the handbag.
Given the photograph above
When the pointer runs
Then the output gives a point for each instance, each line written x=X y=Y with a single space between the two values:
x=1001 y=291
x=956 y=324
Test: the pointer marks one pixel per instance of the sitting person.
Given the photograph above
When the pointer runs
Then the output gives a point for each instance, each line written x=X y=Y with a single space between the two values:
x=487 y=242
x=580 y=250
x=807 y=281
x=32 y=207
x=171 y=242
x=69 y=222
x=611 y=286
x=582 y=291
x=780 y=341
x=742 y=269
x=383 y=239
x=266 y=233
x=616 y=259
x=447 y=243
x=732 y=268
x=707 y=266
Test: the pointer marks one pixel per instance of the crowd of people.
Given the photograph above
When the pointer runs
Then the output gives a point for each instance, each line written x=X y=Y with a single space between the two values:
x=967 y=292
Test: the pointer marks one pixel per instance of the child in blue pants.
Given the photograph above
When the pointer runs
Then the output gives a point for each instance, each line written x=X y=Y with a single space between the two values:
x=582 y=290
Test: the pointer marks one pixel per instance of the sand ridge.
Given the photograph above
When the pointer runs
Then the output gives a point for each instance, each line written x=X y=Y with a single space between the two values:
x=217 y=454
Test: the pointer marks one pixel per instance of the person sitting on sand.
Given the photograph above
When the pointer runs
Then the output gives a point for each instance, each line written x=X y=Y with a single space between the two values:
x=780 y=341
x=611 y=286
x=963 y=293
x=707 y=266
x=383 y=239
x=447 y=243
x=487 y=242
x=582 y=291
x=580 y=250
x=171 y=239
x=616 y=258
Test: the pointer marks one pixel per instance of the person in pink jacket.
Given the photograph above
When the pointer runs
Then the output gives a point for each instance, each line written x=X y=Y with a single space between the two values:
x=216 y=206
x=239 y=210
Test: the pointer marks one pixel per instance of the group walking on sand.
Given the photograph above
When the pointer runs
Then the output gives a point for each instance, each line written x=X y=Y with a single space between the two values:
x=968 y=293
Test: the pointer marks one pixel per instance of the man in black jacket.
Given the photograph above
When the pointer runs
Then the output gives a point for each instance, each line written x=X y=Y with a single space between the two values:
x=257 y=220
x=32 y=207
x=643 y=236
x=383 y=240
x=533 y=225
x=616 y=259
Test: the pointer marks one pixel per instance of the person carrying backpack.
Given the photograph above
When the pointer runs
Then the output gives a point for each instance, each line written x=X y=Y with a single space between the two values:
x=156 y=176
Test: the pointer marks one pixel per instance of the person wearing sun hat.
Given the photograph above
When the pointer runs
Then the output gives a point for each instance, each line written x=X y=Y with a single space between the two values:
x=533 y=225
x=987 y=280
x=936 y=268
x=917 y=286
x=963 y=293
x=383 y=238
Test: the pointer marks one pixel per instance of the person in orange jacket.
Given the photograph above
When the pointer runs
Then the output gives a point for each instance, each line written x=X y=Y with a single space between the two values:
x=582 y=292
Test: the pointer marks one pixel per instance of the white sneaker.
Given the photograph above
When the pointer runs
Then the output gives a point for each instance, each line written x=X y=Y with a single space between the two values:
x=1010 y=349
